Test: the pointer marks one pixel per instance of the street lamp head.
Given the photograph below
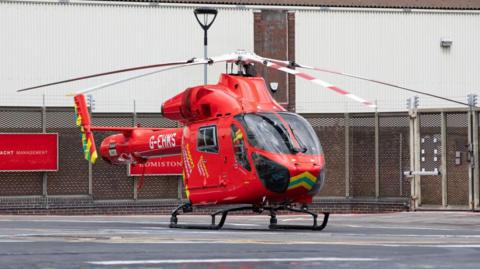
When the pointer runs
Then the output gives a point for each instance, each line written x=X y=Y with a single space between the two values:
x=205 y=16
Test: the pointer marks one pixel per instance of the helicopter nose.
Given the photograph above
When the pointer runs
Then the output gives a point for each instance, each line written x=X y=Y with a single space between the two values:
x=306 y=176
x=297 y=175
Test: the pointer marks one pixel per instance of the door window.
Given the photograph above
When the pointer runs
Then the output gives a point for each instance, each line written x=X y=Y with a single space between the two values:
x=239 y=149
x=207 y=139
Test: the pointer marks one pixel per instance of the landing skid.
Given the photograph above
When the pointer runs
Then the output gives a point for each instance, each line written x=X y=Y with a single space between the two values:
x=186 y=208
x=314 y=227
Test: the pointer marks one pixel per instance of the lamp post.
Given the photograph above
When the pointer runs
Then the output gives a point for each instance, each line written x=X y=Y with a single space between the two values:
x=205 y=17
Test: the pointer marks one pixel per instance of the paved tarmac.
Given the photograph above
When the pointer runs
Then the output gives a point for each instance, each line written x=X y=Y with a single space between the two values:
x=397 y=240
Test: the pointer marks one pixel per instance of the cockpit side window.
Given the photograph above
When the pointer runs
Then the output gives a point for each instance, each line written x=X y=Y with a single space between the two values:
x=239 y=148
x=207 y=139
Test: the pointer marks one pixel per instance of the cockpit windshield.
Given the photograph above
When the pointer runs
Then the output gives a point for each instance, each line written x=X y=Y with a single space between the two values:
x=303 y=132
x=273 y=132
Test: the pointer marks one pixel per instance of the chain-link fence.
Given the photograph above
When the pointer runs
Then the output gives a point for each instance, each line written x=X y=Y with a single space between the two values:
x=430 y=152
x=457 y=158
x=366 y=155
x=21 y=120
x=105 y=181
x=394 y=155
x=330 y=129
x=445 y=147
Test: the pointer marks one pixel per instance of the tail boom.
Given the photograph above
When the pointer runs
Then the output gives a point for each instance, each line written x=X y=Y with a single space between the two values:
x=140 y=144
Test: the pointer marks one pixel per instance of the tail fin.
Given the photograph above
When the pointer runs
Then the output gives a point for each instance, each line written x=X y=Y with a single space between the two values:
x=83 y=121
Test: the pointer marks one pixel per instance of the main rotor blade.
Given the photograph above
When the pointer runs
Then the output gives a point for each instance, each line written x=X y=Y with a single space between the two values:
x=107 y=73
x=315 y=80
x=286 y=64
x=221 y=58
x=111 y=83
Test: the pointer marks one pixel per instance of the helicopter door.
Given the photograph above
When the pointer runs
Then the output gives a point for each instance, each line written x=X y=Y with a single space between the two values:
x=237 y=169
x=208 y=161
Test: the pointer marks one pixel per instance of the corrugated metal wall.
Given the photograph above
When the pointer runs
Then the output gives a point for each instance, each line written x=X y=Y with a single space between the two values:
x=44 y=42
x=395 y=46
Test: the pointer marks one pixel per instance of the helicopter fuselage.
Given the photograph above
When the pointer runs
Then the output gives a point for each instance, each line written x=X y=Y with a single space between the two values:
x=237 y=145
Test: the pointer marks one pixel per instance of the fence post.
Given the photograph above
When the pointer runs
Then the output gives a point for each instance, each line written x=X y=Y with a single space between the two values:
x=400 y=163
x=472 y=104
x=472 y=159
x=418 y=184
x=377 y=152
x=44 y=130
x=90 y=167
x=347 y=155
x=443 y=169
x=476 y=174
x=135 y=179
x=414 y=157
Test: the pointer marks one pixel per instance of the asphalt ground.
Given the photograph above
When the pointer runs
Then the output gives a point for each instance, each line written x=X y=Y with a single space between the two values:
x=397 y=240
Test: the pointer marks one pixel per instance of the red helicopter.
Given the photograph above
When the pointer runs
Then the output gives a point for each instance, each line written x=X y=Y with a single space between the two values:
x=238 y=146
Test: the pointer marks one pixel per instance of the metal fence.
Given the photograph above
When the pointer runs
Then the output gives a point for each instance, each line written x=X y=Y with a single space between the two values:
x=75 y=176
x=446 y=141
x=366 y=155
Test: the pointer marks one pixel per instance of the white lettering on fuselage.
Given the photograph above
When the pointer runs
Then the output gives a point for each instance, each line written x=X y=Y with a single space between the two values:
x=162 y=141
x=163 y=164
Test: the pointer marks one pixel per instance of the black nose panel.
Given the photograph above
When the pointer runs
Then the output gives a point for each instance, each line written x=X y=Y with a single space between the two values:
x=274 y=176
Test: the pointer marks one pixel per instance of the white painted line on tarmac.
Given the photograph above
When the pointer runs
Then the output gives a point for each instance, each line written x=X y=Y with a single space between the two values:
x=223 y=231
x=416 y=235
x=401 y=227
x=87 y=221
x=457 y=246
x=183 y=261
x=431 y=246
x=14 y=241
x=119 y=222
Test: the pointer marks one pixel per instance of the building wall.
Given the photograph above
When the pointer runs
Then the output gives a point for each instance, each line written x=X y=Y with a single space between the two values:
x=396 y=46
x=44 y=42
x=275 y=38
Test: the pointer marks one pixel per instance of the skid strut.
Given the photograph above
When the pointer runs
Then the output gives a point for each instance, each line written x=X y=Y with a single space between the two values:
x=213 y=226
x=315 y=227
x=186 y=208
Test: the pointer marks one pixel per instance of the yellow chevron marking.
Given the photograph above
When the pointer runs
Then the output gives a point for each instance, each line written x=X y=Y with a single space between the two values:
x=304 y=174
x=299 y=181
x=300 y=184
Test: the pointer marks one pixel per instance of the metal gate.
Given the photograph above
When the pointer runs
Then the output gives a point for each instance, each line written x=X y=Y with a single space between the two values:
x=444 y=157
